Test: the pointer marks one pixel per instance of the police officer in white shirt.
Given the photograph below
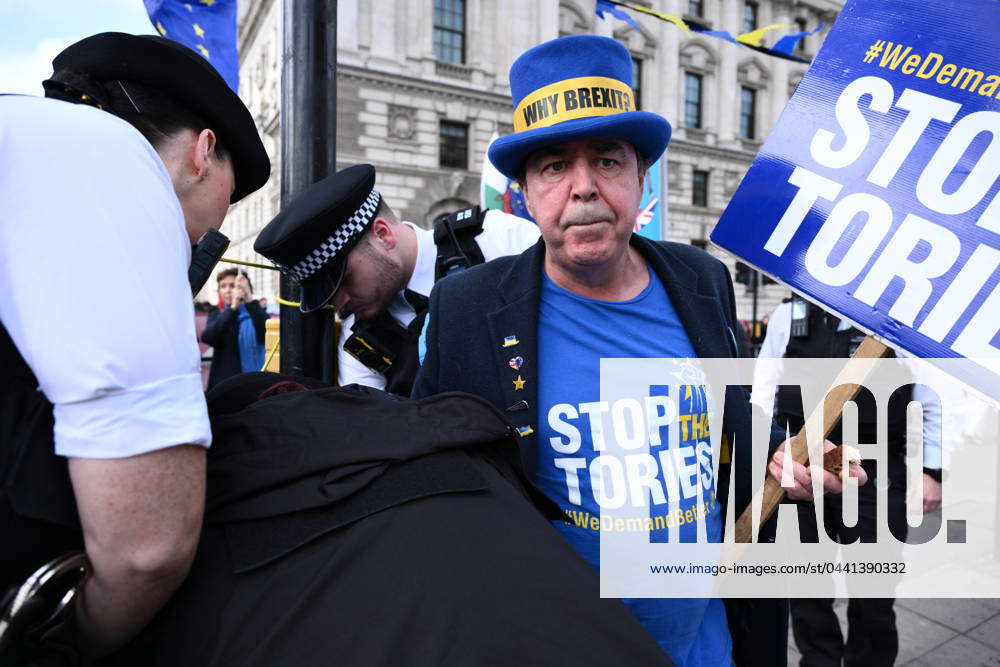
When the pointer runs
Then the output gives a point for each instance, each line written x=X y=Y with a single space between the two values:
x=799 y=329
x=103 y=423
x=349 y=249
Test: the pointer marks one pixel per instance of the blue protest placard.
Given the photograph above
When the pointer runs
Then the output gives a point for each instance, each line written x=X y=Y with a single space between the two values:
x=876 y=194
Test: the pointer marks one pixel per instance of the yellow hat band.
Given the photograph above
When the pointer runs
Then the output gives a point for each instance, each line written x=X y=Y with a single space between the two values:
x=582 y=97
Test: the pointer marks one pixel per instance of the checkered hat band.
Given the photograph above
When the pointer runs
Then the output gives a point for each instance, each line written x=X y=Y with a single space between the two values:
x=328 y=249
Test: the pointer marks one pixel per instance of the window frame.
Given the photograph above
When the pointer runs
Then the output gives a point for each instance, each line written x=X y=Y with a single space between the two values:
x=440 y=48
x=748 y=121
x=698 y=105
x=801 y=24
x=751 y=16
x=637 y=64
x=699 y=193
x=445 y=151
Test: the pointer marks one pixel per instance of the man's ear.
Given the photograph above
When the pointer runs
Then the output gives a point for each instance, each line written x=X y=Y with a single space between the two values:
x=204 y=153
x=527 y=201
x=383 y=232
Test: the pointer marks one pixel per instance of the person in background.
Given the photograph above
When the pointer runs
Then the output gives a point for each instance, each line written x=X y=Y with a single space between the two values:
x=236 y=330
x=346 y=247
x=798 y=329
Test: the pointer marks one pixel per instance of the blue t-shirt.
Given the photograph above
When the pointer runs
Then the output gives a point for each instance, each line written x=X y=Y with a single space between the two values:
x=574 y=333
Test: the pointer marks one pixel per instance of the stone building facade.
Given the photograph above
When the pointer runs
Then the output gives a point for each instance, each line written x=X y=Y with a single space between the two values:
x=422 y=86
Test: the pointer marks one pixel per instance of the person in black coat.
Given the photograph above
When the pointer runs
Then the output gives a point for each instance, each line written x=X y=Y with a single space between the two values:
x=236 y=332
x=348 y=526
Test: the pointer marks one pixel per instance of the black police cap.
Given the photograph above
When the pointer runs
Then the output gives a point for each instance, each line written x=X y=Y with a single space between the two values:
x=311 y=238
x=185 y=76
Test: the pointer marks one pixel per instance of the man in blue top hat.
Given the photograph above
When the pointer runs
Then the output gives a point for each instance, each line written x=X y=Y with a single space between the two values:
x=528 y=333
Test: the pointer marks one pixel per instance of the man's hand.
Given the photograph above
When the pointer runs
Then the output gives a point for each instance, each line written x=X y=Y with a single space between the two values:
x=241 y=292
x=802 y=476
x=932 y=494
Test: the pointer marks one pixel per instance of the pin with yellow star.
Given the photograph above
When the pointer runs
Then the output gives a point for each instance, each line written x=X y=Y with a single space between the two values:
x=518 y=383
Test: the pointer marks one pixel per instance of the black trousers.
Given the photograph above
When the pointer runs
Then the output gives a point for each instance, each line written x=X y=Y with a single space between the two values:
x=871 y=637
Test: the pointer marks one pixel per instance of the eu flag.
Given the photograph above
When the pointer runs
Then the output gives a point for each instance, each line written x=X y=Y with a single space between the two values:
x=206 y=26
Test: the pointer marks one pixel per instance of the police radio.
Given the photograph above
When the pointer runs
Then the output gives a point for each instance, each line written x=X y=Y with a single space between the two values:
x=205 y=254
x=800 y=317
x=455 y=238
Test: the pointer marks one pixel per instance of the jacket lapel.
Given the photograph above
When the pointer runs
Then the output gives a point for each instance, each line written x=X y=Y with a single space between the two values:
x=701 y=314
x=514 y=329
x=514 y=339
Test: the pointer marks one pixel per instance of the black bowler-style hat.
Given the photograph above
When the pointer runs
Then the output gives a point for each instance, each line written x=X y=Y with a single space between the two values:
x=185 y=76
x=311 y=238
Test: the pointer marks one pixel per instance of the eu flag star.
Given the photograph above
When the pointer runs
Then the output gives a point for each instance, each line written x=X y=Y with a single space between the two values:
x=207 y=2
x=204 y=51
x=198 y=30
x=159 y=26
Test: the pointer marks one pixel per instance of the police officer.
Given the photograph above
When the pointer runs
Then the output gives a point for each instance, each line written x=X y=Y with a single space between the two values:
x=800 y=330
x=346 y=247
x=139 y=151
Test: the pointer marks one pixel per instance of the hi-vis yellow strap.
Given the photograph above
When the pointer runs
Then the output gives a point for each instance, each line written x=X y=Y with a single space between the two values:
x=582 y=97
x=296 y=304
x=270 y=355
x=230 y=260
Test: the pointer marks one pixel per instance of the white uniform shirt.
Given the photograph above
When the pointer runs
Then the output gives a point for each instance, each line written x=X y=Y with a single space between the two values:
x=766 y=376
x=93 y=280
x=503 y=234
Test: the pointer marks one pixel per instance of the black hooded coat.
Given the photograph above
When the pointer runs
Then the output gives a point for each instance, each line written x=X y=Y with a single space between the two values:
x=352 y=527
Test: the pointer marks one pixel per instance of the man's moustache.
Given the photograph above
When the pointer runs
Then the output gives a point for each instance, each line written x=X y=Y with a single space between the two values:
x=586 y=215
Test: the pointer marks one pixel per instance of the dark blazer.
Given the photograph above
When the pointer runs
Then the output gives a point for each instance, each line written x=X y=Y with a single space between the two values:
x=473 y=312
x=222 y=333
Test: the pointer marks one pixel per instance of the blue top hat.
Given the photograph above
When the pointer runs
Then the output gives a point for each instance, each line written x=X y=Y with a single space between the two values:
x=576 y=87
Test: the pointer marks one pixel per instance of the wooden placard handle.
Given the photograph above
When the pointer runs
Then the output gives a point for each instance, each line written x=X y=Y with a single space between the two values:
x=771 y=494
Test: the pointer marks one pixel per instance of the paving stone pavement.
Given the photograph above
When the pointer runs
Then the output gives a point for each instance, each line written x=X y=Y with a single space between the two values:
x=939 y=632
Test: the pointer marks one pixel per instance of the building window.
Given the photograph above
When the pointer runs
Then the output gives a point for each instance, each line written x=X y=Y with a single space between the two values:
x=449 y=30
x=637 y=81
x=748 y=113
x=692 y=100
x=699 y=188
x=454 y=150
x=800 y=46
x=749 y=17
x=696 y=7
